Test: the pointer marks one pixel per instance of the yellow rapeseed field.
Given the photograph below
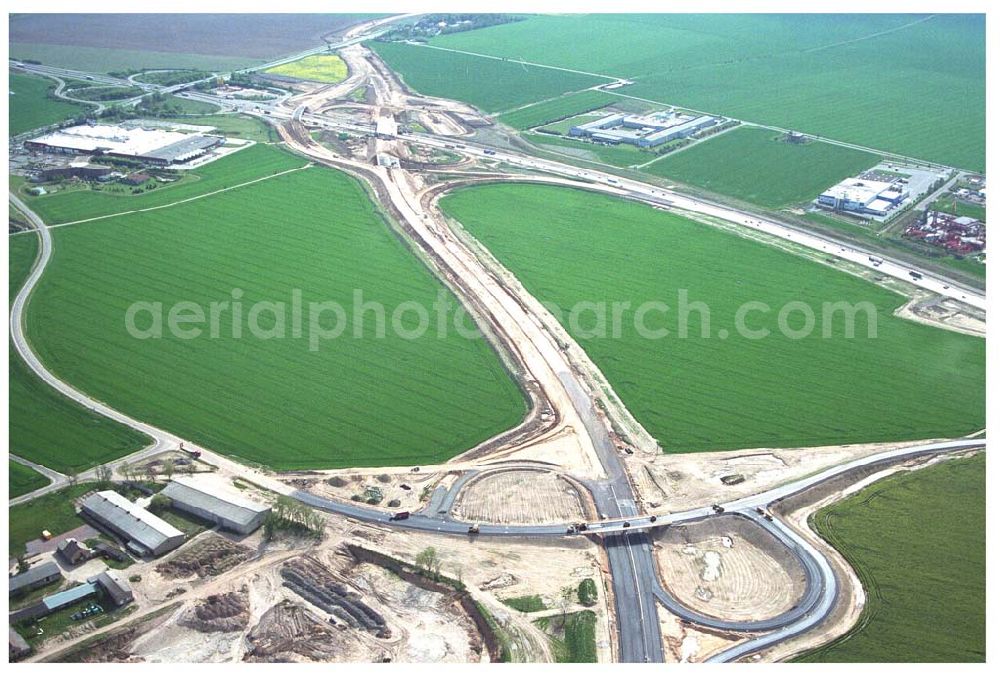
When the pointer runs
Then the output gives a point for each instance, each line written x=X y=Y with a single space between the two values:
x=317 y=68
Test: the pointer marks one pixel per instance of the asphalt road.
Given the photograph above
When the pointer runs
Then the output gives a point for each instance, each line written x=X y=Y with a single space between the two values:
x=633 y=570
x=162 y=440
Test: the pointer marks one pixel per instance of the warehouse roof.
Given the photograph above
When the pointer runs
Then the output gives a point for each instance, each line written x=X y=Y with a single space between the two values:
x=862 y=191
x=67 y=597
x=601 y=123
x=185 y=149
x=33 y=576
x=115 y=586
x=137 y=523
x=214 y=498
x=132 y=141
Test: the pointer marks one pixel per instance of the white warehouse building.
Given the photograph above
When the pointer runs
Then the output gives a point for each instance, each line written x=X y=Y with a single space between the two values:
x=863 y=196
x=216 y=503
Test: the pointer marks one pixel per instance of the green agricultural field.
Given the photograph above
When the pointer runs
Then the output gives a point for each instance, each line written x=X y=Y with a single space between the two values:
x=755 y=165
x=883 y=81
x=351 y=402
x=107 y=60
x=242 y=166
x=238 y=126
x=21 y=255
x=30 y=106
x=563 y=126
x=619 y=156
x=959 y=208
x=46 y=427
x=918 y=543
x=328 y=68
x=557 y=109
x=489 y=84
x=22 y=479
x=727 y=391
x=53 y=511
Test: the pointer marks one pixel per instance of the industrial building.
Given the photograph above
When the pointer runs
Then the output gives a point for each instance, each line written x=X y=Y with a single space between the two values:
x=956 y=234
x=34 y=578
x=863 y=196
x=155 y=146
x=143 y=532
x=215 y=503
x=80 y=168
x=645 y=131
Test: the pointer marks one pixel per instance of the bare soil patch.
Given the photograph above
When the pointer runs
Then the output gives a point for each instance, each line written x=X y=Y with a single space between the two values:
x=210 y=556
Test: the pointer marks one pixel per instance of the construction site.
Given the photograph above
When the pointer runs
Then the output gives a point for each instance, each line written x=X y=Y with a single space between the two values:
x=571 y=537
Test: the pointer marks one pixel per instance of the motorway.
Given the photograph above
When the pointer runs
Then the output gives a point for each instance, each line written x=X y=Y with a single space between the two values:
x=655 y=196
x=637 y=589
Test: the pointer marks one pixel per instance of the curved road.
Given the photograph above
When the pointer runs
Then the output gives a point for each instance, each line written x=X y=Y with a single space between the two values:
x=629 y=550
x=161 y=440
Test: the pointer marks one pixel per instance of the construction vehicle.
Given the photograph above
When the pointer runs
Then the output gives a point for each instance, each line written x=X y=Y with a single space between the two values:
x=474 y=529
x=400 y=516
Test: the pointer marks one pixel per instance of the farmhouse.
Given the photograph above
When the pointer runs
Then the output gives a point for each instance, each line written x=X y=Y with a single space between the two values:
x=72 y=552
x=217 y=504
x=143 y=532
x=644 y=131
x=863 y=196
x=34 y=578
x=155 y=146
x=115 y=586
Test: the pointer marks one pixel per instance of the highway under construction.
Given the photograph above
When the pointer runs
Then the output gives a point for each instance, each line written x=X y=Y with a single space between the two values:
x=570 y=402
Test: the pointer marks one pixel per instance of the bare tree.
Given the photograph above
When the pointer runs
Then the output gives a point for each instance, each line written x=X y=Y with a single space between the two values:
x=565 y=601
x=104 y=476
x=168 y=468
x=125 y=470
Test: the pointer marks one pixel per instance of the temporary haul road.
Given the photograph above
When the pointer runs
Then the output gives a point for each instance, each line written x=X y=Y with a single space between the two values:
x=637 y=588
